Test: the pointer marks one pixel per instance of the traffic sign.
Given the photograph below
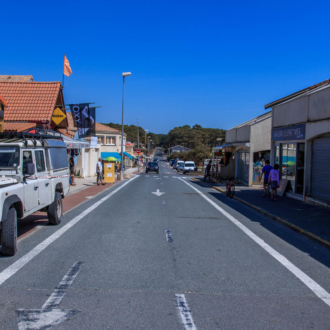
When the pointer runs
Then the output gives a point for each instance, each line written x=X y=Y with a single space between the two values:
x=148 y=155
x=138 y=151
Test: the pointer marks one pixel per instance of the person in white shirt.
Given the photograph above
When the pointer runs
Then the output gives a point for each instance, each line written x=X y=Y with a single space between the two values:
x=99 y=171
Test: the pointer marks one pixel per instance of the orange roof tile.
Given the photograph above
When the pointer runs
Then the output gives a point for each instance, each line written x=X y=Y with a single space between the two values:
x=17 y=126
x=29 y=100
x=16 y=78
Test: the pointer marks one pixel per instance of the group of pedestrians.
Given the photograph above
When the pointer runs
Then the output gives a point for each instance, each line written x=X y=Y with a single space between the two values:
x=271 y=180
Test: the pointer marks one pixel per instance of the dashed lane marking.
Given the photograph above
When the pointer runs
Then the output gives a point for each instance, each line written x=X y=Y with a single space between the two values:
x=168 y=234
x=184 y=312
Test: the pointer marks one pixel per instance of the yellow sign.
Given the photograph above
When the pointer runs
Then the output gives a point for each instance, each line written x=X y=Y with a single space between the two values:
x=58 y=116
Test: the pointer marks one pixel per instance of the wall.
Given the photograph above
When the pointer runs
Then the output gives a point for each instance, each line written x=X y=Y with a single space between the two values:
x=293 y=112
x=231 y=135
x=319 y=105
x=260 y=140
x=243 y=134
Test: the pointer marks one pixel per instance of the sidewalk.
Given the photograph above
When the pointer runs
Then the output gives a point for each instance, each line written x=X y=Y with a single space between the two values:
x=312 y=221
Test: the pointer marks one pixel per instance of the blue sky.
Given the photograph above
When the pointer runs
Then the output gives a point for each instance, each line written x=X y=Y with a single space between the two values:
x=213 y=63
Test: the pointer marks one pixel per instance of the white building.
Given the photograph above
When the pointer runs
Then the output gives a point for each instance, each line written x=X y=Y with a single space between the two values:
x=108 y=144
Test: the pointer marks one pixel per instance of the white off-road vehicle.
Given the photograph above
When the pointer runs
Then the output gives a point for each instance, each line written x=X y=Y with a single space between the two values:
x=34 y=176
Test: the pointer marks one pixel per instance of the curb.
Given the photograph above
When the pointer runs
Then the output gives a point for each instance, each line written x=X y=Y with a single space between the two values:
x=279 y=220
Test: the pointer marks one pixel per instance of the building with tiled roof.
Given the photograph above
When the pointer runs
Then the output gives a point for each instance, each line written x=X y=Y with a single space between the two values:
x=28 y=102
x=12 y=78
x=108 y=145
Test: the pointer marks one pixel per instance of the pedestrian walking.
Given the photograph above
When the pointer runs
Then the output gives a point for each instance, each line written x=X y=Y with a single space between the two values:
x=274 y=181
x=265 y=172
x=72 y=171
x=99 y=172
x=207 y=170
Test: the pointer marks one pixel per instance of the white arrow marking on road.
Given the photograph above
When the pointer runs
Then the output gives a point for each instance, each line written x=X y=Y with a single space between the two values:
x=48 y=316
x=158 y=193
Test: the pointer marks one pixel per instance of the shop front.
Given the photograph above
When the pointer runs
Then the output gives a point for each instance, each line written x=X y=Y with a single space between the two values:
x=289 y=154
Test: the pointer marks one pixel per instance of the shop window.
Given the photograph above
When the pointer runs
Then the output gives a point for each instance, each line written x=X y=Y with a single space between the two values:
x=259 y=161
x=111 y=140
x=100 y=139
x=288 y=164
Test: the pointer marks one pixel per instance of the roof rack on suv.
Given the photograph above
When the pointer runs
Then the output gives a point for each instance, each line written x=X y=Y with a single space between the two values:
x=28 y=135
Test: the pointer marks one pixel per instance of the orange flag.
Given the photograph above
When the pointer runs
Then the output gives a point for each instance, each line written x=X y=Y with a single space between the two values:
x=67 y=69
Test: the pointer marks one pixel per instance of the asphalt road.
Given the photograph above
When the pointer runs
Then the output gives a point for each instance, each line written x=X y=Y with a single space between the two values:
x=186 y=257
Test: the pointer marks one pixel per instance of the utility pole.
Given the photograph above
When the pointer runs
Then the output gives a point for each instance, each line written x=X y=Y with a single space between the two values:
x=138 y=145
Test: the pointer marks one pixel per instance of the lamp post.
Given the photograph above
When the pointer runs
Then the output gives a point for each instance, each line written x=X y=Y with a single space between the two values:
x=149 y=144
x=124 y=74
x=145 y=141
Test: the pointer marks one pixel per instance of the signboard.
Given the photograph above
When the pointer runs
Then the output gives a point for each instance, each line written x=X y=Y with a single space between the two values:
x=138 y=151
x=289 y=133
x=148 y=155
x=58 y=116
x=84 y=119
x=128 y=143
x=93 y=143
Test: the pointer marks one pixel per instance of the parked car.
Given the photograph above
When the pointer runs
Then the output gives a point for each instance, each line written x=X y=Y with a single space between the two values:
x=172 y=162
x=152 y=167
x=35 y=177
x=175 y=164
x=155 y=160
x=180 y=165
x=189 y=166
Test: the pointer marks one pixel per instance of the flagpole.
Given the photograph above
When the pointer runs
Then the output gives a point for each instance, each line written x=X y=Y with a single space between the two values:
x=63 y=72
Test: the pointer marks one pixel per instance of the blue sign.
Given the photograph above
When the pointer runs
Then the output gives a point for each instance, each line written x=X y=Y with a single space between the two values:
x=289 y=133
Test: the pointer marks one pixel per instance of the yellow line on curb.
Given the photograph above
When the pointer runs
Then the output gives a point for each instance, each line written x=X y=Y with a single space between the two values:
x=285 y=223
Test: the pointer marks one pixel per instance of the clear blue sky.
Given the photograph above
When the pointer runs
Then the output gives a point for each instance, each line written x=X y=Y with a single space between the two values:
x=214 y=63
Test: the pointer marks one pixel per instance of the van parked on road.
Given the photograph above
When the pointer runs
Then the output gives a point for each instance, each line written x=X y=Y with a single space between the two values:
x=189 y=166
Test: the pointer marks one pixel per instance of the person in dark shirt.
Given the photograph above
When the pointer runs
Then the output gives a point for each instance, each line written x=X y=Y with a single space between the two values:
x=265 y=171
x=207 y=170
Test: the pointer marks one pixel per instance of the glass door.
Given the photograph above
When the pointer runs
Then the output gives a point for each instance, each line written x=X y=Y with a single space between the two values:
x=300 y=168
x=288 y=164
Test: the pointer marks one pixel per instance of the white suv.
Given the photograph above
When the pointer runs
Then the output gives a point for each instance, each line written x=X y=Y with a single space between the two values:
x=189 y=166
x=34 y=177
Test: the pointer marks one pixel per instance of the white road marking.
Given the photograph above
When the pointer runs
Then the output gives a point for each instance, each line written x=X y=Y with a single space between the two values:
x=158 y=193
x=168 y=234
x=310 y=283
x=49 y=316
x=16 y=266
x=184 y=312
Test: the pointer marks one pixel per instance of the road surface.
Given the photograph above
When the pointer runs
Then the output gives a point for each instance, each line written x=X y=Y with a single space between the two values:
x=163 y=252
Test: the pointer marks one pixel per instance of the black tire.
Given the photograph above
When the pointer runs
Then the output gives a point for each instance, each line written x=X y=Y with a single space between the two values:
x=146 y=171
x=55 y=210
x=9 y=234
x=157 y=172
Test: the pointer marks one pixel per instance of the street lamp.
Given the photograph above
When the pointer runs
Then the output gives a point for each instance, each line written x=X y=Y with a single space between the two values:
x=124 y=74
x=145 y=140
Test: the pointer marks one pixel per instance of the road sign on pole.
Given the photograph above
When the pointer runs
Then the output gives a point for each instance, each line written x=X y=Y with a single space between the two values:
x=138 y=151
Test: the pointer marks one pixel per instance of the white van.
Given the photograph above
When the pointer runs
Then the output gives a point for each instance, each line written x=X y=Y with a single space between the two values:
x=189 y=166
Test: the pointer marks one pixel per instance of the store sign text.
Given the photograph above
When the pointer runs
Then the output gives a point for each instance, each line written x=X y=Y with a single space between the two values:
x=289 y=133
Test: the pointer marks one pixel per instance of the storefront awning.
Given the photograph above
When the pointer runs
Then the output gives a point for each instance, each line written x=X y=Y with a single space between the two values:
x=74 y=144
x=116 y=155
x=128 y=155
x=238 y=144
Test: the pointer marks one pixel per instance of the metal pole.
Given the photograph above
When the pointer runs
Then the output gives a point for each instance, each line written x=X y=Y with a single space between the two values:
x=138 y=145
x=122 y=132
